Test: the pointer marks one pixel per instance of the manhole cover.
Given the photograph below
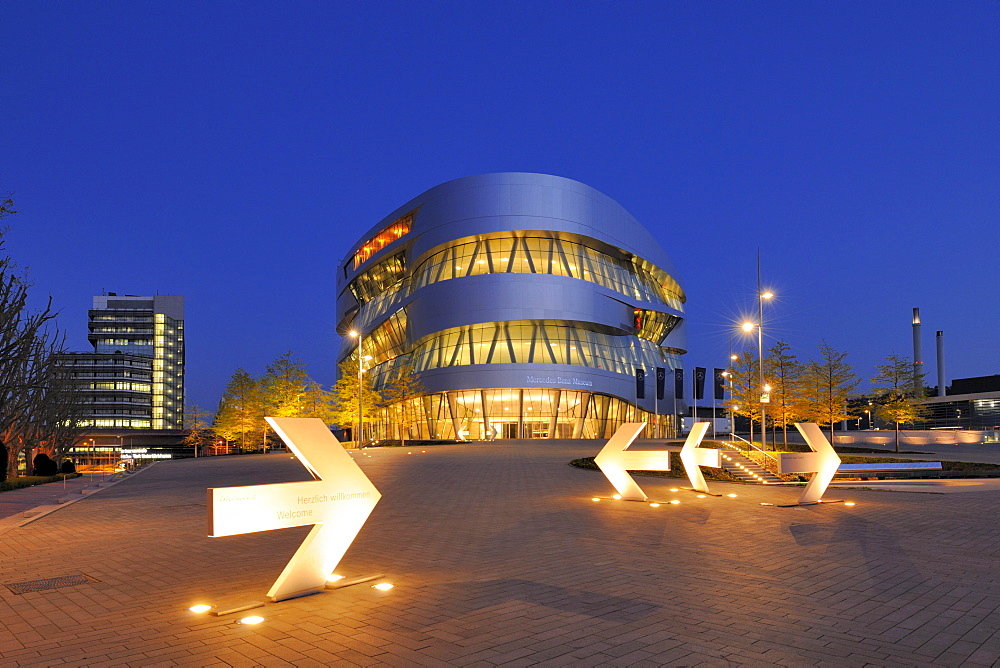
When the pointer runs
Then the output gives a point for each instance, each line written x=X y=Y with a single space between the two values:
x=50 y=583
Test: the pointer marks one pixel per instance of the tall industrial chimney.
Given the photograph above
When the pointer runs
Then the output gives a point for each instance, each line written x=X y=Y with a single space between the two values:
x=918 y=356
x=940 y=362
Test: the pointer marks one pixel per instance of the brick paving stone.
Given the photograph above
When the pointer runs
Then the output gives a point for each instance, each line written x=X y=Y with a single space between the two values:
x=500 y=557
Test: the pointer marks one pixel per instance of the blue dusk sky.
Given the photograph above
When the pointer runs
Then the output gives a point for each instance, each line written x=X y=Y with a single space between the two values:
x=231 y=152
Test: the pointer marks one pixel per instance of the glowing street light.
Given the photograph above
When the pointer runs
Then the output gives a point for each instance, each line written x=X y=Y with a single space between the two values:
x=764 y=390
x=765 y=395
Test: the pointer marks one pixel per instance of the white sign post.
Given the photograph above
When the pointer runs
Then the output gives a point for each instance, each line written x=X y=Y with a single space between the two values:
x=823 y=460
x=615 y=459
x=337 y=504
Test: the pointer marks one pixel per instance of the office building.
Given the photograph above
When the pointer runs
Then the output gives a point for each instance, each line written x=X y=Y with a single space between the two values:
x=132 y=382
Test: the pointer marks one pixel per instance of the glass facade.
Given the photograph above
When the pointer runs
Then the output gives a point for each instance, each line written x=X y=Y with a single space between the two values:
x=150 y=328
x=616 y=308
x=515 y=342
x=490 y=414
x=522 y=253
x=116 y=389
x=399 y=228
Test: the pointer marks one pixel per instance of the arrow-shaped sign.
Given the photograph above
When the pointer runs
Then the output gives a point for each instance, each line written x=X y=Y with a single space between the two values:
x=694 y=457
x=337 y=503
x=823 y=460
x=615 y=459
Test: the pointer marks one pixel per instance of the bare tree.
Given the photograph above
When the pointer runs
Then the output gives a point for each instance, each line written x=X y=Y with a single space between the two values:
x=38 y=406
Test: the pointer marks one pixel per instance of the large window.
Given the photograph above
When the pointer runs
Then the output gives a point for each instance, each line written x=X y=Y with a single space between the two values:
x=489 y=414
x=526 y=254
x=524 y=342
x=654 y=325
x=389 y=234
x=538 y=342
x=381 y=277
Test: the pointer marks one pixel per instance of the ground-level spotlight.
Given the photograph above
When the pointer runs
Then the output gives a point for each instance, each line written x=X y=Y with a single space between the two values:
x=383 y=586
x=654 y=505
x=617 y=496
x=701 y=496
x=675 y=502
x=201 y=607
x=251 y=620
x=596 y=498
x=731 y=496
x=674 y=489
x=334 y=577
x=849 y=503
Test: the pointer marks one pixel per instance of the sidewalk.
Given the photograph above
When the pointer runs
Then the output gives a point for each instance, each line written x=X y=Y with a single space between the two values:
x=20 y=505
x=501 y=558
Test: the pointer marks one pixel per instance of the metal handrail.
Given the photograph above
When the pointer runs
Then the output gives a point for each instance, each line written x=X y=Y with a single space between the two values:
x=764 y=458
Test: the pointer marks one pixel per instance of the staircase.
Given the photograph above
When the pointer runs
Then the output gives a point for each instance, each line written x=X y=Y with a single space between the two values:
x=747 y=469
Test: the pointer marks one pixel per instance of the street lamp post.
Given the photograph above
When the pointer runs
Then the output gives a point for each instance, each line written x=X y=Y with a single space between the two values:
x=763 y=389
x=361 y=416
x=361 y=392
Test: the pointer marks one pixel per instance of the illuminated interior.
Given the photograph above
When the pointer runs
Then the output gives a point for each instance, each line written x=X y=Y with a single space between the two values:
x=512 y=413
x=399 y=228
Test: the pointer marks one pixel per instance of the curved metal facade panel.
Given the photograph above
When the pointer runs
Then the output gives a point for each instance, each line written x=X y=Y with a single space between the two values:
x=516 y=293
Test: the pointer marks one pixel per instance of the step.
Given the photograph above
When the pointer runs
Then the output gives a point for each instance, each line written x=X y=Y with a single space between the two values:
x=746 y=469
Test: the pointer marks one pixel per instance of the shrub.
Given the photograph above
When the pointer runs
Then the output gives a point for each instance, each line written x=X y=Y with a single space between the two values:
x=42 y=465
x=30 y=481
x=67 y=467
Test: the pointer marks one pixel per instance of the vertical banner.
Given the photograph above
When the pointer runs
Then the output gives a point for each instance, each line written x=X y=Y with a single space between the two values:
x=661 y=377
x=640 y=384
x=678 y=383
x=699 y=382
x=720 y=384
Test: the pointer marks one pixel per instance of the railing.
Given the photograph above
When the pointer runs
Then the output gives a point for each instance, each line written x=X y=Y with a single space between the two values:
x=765 y=459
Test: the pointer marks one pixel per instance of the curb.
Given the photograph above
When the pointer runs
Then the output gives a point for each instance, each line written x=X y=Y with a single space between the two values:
x=38 y=512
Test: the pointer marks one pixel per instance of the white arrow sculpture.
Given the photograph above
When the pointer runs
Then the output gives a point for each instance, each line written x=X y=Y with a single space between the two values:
x=694 y=457
x=615 y=459
x=337 y=503
x=823 y=460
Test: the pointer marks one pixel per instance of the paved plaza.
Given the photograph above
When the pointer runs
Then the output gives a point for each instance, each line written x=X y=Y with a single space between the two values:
x=500 y=557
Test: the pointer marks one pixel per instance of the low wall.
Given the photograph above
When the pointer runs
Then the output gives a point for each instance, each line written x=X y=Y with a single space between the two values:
x=909 y=437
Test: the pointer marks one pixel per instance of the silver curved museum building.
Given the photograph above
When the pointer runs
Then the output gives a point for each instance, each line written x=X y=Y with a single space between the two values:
x=525 y=302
